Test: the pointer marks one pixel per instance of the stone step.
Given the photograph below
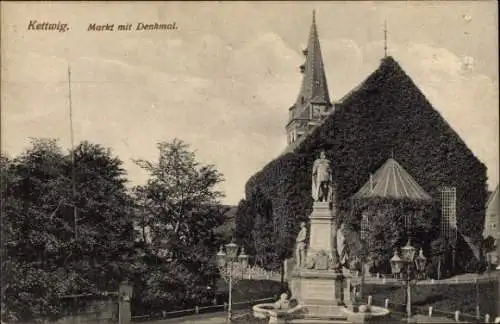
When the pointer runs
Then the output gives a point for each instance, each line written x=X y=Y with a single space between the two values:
x=321 y=311
x=325 y=315
x=318 y=321
x=323 y=318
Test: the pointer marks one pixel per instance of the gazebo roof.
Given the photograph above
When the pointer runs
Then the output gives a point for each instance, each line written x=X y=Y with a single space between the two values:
x=392 y=181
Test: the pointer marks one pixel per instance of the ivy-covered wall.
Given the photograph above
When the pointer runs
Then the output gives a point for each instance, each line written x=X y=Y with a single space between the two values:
x=386 y=116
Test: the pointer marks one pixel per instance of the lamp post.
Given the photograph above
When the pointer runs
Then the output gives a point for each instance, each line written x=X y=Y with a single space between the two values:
x=409 y=268
x=363 y=265
x=228 y=262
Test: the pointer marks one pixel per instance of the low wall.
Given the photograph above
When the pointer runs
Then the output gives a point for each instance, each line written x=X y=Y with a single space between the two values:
x=104 y=308
x=90 y=309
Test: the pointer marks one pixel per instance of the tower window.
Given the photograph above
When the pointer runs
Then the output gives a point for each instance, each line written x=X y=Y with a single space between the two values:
x=302 y=100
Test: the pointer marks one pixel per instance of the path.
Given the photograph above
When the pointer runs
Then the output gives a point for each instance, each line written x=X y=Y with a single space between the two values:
x=212 y=318
x=220 y=318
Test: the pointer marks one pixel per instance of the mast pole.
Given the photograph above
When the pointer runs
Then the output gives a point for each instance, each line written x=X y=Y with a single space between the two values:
x=385 y=38
x=73 y=175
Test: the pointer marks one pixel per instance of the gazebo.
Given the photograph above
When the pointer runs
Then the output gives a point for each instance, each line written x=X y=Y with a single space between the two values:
x=392 y=182
x=392 y=191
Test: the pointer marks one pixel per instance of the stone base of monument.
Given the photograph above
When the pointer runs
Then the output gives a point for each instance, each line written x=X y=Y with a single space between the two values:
x=372 y=314
x=323 y=294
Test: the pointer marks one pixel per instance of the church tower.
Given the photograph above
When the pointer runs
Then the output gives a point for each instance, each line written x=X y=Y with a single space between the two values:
x=313 y=101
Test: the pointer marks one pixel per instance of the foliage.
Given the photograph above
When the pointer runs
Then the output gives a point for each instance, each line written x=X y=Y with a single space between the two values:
x=46 y=253
x=439 y=262
x=386 y=114
x=383 y=234
x=489 y=244
x=246 y=290
x=259 y=232
x=181 y=205
x=244 y=225
x=386 y=231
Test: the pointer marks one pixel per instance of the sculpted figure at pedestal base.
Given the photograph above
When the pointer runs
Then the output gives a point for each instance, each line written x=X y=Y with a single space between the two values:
x=283 y=302
x=300 y=249
x=334 y=261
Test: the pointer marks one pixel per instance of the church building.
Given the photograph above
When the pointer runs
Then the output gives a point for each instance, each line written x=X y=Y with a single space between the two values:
x=386 y=123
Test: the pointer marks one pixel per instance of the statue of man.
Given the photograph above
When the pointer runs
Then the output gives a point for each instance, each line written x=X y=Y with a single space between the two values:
x=322 y=179
x=300 y=250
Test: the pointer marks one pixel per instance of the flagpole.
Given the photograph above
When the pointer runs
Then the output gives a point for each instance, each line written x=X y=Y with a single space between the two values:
x=73 y=182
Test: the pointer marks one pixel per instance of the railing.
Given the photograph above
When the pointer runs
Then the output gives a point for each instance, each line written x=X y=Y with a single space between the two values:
x=255 y=272
x=199 y=310
x=431 y=312
x=388 y=279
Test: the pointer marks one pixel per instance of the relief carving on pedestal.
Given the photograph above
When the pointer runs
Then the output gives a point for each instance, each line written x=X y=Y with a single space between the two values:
x=322 y=261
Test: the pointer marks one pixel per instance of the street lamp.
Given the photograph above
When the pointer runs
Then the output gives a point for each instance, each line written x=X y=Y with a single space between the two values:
x=410 y=268
x=229 y=263
x=396 y=264
x=420 y=262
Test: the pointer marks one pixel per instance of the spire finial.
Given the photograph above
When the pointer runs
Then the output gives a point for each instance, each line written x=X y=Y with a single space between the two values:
x=385 y=38
x=314 y=16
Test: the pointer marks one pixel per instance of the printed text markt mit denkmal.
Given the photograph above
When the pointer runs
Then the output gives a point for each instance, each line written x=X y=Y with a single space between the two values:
x=129 y=27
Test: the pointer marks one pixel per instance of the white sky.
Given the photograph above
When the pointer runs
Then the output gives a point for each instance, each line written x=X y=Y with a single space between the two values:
x=224 y=80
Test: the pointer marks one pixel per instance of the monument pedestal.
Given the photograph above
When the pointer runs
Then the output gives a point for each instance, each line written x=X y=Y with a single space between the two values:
x=319 y=285
x=322 y=230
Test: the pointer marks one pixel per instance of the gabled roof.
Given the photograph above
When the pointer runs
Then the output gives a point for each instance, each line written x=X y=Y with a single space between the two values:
x=493 y=199
x=392 y=181
x=314 y=88
x=475 y=250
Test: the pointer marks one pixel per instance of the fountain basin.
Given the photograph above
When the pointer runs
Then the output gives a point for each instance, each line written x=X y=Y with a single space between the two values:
x=263 y=310
x=374 y=314
x=274 y=314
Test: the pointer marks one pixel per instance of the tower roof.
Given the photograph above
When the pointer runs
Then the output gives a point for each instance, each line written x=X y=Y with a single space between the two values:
x=392 y=181
x=314 y=87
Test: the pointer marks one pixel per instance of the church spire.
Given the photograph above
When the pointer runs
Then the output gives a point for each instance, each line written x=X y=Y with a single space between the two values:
x=314 y=88
x=313 y=102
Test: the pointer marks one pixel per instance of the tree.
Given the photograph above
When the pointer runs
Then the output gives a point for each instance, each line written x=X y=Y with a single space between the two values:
x=488 y=244
x=439 y=247
x=244 y=226
x=29 y=288
x=259 y=231
x=183 y=209
x=263 y=241
x=50 y=253
x=104 y=220
x=383 y=235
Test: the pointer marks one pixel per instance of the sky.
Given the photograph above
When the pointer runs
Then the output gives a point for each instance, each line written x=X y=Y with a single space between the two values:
x=224 y=79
